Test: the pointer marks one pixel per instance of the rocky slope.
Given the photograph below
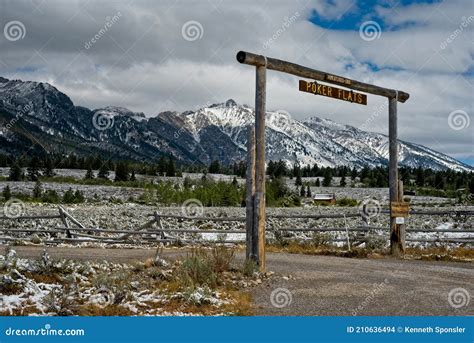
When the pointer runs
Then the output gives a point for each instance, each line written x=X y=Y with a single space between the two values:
x=36 y=117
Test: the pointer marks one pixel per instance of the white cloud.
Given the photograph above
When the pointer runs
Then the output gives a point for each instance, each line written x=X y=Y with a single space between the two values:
x=145 y=64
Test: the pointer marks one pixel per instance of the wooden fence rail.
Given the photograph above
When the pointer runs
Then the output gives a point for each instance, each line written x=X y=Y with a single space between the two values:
x=147 y=234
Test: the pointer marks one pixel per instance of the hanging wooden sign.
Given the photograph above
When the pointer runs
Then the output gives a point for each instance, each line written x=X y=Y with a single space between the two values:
x=399 y=209
x=333 y=92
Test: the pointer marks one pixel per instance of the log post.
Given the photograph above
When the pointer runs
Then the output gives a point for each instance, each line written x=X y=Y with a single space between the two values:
x=259 y=209
x=401 y=227
x=65 y=222
x=395 y=245
x=251 y=232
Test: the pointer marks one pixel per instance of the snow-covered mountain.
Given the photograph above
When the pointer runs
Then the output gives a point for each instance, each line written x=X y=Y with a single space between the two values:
x=37 y=117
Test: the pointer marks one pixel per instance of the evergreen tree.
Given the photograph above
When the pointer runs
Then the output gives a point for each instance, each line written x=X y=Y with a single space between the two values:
x=33 y=169
x=7 y=194
x=298 y=181
x=89 y=173
x=302 y=192
x=171 y=167
x=308 y=192
x=343 y=183
x=37 y=190
x=48 y=170
x=318 y=183
x=122 y=172
x=132 y=176
x=214 y=167
x=327 y=177
x=103 y=172
x=162 y=166
x=16 y=172
x=234 y=182
x=68 y=196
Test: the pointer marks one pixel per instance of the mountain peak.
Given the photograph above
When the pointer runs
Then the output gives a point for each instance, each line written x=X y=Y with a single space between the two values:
x=229 y=103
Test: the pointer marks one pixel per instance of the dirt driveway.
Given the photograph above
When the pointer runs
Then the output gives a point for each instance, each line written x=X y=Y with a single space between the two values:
x=326 y=285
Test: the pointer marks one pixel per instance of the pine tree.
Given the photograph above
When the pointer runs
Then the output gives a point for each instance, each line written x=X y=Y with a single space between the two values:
x=162 y=165
x=308 y=192
x=48 y=168
x=215 y=167
x=103 y=172
x=298 y=181
x=302 y=192
x=133 y=177
x=33 y=169
x=37 y=190
x=89 y=173
x=327 y=177
x=171 y=168
x=7 y=194
x=16 y=172
x=318 y=183
x=234 y=182
x=122 y=172
x=342 y=183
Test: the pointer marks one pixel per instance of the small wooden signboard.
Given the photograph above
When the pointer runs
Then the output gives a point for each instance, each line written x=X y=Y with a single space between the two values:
x=399 y=209
x=333 y=92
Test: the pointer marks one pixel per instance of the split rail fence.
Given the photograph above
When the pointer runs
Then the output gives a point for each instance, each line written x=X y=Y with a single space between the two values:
x=154 y=231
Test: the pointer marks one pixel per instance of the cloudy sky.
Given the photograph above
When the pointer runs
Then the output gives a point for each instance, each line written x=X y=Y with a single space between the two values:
x=152 y=56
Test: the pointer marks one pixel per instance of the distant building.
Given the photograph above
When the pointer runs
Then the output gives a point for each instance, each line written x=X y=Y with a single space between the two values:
x=326 y=198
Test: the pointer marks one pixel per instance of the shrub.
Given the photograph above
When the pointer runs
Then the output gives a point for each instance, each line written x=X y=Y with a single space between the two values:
x=197 y=269
x=222 y=258
x=249 y=267
x=7 y=194
x=320 y=238
x=346 y=202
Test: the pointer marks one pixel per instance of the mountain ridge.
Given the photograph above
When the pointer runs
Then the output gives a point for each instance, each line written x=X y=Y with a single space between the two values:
x=37 y=113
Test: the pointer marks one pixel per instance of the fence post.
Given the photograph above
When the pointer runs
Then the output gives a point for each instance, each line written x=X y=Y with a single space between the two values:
x=158 y=221
x=393 y=174
x=259 y=209
x=64 y=221
x=401 y=227
x=251 y=232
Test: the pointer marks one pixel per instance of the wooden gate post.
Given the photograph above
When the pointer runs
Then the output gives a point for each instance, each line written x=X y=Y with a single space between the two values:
x=251 y=233
x=401 y=227
x=393 y=174
x=259 y=210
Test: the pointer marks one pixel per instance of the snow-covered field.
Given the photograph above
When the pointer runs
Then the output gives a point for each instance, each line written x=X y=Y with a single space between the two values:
x=153 y=287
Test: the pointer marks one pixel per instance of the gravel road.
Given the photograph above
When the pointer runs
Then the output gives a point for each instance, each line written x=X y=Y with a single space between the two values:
x=326 y=285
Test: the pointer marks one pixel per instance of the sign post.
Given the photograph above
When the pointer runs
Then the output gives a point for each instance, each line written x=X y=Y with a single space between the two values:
x=262 y=63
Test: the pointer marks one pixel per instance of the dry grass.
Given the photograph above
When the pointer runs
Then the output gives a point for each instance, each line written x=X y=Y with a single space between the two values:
x=428 y=254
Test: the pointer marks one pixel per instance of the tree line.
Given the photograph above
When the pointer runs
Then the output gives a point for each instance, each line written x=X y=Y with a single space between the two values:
x=34 y=167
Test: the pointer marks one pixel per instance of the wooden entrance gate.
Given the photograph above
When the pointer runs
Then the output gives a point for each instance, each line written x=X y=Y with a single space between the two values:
x=255 y=201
